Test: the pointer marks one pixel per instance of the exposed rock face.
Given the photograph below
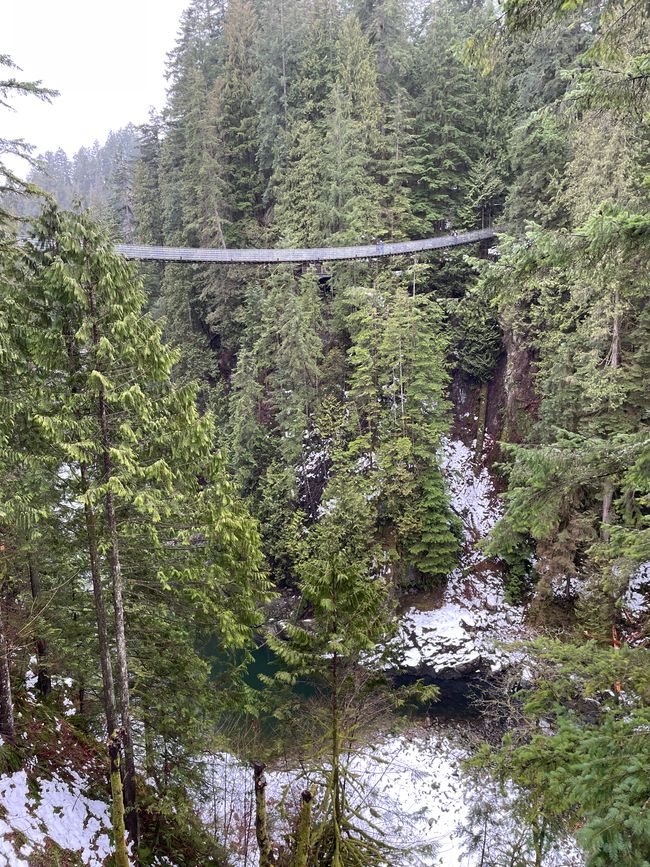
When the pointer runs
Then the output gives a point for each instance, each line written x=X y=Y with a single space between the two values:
x=457 y=633
x=521 y=402
x=636 y=606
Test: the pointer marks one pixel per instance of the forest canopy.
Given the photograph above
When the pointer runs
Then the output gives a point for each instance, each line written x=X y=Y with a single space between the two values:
x=205 y=466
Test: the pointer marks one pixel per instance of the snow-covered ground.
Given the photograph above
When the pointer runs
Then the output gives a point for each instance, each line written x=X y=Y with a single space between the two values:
x=55 y=810
x=463 y=631
x=38 y=810
x=410 y=788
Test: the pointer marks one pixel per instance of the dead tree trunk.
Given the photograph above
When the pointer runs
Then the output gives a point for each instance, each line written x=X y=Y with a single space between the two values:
x=117 y=796
x=7 y=729
x=303 y=833
x=261 y=824
x=608 y=496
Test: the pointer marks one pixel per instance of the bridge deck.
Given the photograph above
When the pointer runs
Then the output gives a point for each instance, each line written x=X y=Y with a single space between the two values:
x=314 y=254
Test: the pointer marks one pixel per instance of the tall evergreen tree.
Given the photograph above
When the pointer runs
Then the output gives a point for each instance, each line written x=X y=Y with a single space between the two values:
x=140 y=458
x=449 y=109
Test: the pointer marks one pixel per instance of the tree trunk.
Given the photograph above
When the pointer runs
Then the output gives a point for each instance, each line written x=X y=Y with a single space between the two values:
x=118 y=603
x=120 y=639
x=539 y=840
x=149 y=752
x=337 y=806
x=108 y=686
x=43 y=680
x=482 y=416
x=285 y=102
x=7 y=729
x=483 y=847
x=261 y=826
x=100 y=612
x=615 y=350
x=301 y=853
x=117 y=796
x=123 y=675
x=608 y=496
x=614 y=360
x=336 y=759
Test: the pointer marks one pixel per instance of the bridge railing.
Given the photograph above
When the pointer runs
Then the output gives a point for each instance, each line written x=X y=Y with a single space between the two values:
x=313 y=254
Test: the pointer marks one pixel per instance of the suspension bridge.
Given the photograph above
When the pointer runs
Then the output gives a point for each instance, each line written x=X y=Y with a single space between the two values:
x=226 y=256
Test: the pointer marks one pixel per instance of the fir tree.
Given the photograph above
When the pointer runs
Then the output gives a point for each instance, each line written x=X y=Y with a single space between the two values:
x=141 y=460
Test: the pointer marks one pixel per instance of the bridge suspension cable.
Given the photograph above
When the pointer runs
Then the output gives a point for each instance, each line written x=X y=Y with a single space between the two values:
x=227 y=256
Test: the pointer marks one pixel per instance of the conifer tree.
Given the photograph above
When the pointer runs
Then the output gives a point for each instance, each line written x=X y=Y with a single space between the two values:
x=349 y=603
x=387 y=24
x=147 y=204
x=352 y=140
x=10 y=182
x=413 y=347
x=234 y=112
x=141 y=459
x=448 y=105
x=20 y=452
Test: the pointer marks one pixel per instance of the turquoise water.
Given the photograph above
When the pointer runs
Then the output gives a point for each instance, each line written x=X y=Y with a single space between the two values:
x=459 y=698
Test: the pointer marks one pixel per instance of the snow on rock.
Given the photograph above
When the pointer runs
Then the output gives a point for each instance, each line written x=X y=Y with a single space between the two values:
x=463 y=636
x=472 y=493
x=438 y=639
x=52 y=809
x=460 y=634
x=636 y=601
x=410 y=790
x=31 y=678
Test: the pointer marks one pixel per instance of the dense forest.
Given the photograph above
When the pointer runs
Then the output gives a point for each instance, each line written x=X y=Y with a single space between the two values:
x=231 y=495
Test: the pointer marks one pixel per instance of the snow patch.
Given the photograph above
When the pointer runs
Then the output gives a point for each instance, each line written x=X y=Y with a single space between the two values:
x=409 y=789
x=58 y=810
x=31 y=678
x=472 y=493
x=462 y=633
x=636 y=600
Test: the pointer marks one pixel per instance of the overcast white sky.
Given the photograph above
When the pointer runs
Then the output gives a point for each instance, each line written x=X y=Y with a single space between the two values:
x=106 y=57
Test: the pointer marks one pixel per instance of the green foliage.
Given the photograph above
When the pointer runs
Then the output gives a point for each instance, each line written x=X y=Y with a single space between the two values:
x=190 y=551
x=100 y=178
x=579 y=752
x=539 y=154
x=580 y=303
x=306 y=123
x=449 y=139
x=346 y=595
x=477 y=338
x=436 y=545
